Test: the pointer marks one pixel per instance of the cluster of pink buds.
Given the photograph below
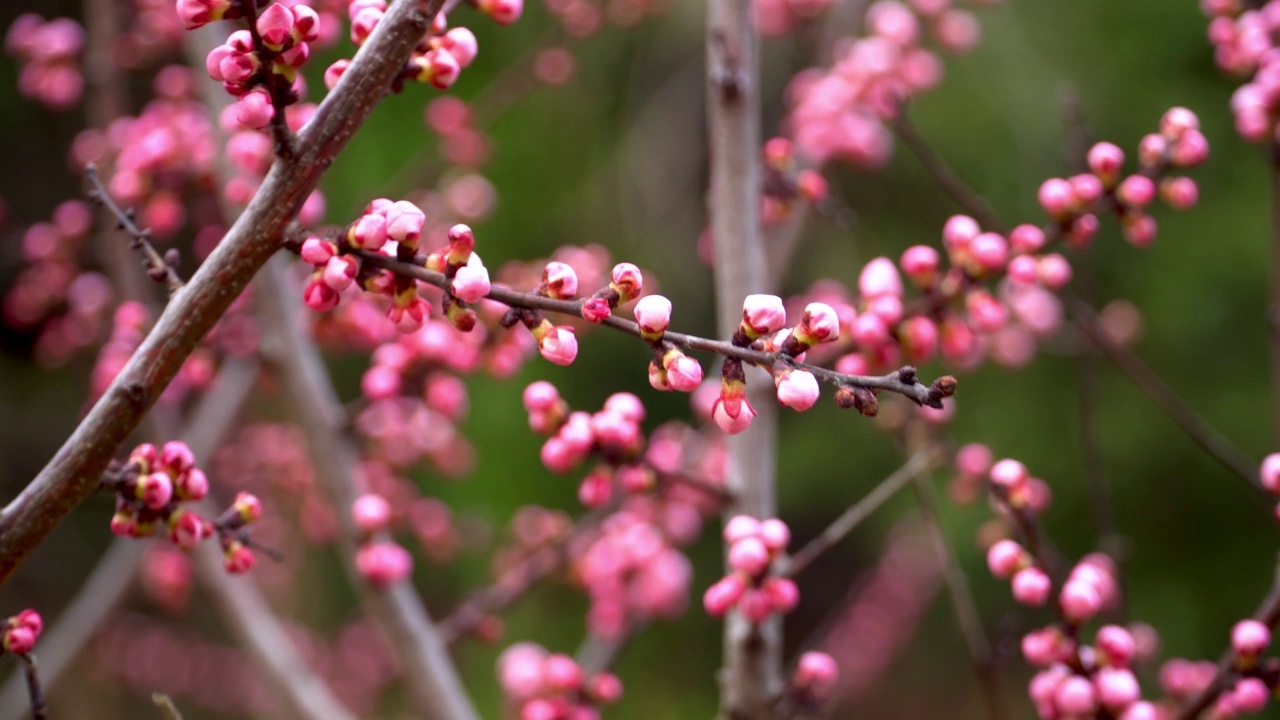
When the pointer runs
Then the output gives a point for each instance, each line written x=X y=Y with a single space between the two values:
x=380 y=561
x=259 y=66
x=626 y=283
x=812 y=682
x=1255 y=681
x=1269 y=477
x=151 y=488
x=1088 y=681
x=438 y=59
x=1072 y=203
x=751 y=586
x=632 y=574
x=1244 y=44
x=784 y=184
x=842 y=112
x=50 y=56
x=670 y=368
x=613 y=432
x=552 y=686
x=20 y=632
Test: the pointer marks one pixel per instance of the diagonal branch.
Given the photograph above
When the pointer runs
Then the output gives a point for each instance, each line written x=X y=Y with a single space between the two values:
x=72 y=475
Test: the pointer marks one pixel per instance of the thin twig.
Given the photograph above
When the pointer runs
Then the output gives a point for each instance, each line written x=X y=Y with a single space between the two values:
x=962 y=601
x=950 y=181
x=1204 y=435
x=39 y=711
x=1268 y=614
x=916 y=391
x=859 y=511
x=158 y=267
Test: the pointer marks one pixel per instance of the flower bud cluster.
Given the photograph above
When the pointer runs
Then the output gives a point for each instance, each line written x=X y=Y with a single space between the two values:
x=1269 y=477
x=259 y=66
x=551 y=686
x=380 y=561
x=438 y=58
x=813 y=680
x=20 y=632
x=130 y=324
x=1087 y=681
x=843 y=112
x=151 y=488
x=1244 y=45
x=752 y=585
x=785 y=184
x=49 y=52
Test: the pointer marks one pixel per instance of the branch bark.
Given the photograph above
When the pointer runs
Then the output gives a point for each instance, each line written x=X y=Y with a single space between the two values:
x=72 y=475
x=752 y=674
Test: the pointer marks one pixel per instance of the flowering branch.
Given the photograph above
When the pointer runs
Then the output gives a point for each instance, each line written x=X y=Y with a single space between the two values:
x=72 y=475
x=902 y=382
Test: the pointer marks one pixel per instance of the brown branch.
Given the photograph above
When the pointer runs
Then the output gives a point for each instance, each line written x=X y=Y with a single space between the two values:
x=1186 y=418
x=39 y=711
x=1268 y=613
x=72 y=475
x=432 y=678
x=159 y=268
x=852 y=517
x=962 y=602
x=893 y=382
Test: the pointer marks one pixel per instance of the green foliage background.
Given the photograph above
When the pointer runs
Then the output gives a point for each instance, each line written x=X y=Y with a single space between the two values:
x=617 y=157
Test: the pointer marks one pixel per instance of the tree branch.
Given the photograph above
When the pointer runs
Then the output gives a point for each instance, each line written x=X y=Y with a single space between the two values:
x=72 y=475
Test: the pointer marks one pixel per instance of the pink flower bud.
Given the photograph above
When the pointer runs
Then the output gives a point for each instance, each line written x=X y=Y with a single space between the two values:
x=763 y=314
x=1116 y=645
x=383 y=564
x=503 y=12
x=471 y=283
x=815 y=674
x=1057 y=198
x=775 y=534
x=1009 y=474
x=959 y=231
x=334 y=72
x=1042 y=647
x=628 y=281
x=1181 y=193
x=1269 y=474
x=754 y=606
x=879 y=277
x=1139 y=229
x=29 y=619
x=176 y=458
x=919 y=336
x=1054 y=271
x=317 y=252
x=1250 y=637
x=19 y=640
x=990 y=252
x=1190 y=151
x=237 y=559
x=438 y=67
x=1086 y=187
x=782 y=593
x=974 y=459
x=732 y=424
x=371 y=513
x=1005 y=558
x=1031 y=587
x=1075 y=696
x=1026 y=239
x=749 y=555
x=275 y=26
x=1024 y=269
x=1250 y=695
x=653 y=314
x=1137 y=191
x=797 y=389
x=723 y=595
x=684 y=374
x=1117 y=688
x=369 y=231
x=192 y=485
x=561 y=280
x=540 y=396
x=340 y=271
x=606 y=688
x=187 y=529
x=247 y=506
x=154 y=490
x=561 y=673
x=920 y=263
x=1080 y=600
x=198 y=13
x=820 y=323
x=404 y=222
x=559 y=345
x=1176 y=121
x=1105 y=161
x=320 y=297
x=254 y=110
x=741 y=527
x=461 y=44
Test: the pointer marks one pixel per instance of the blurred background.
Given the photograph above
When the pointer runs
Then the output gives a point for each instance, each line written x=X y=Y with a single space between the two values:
x=616 y=156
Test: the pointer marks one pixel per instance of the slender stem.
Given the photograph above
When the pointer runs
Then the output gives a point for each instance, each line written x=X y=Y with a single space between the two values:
x=893 y=382
x=72 y=475
x=157 y=267
x=962 y=602
x=39 y=711
x=1204 y=435
x=1268 y=613
x=948 y=179
x=1273 y=314
x=852 y=517
x=432 y=677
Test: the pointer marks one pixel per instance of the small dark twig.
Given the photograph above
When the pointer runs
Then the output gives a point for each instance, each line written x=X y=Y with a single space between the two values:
x=159 y=268
x=858 y=512
x=39 y=711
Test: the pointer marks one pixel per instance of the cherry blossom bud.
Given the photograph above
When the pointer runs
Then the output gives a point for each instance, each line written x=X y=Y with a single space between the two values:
x=974 y=459
x=1190 y=151
x=749 y=555
x=596 y=309
x=762 y=314
x=254 y=109
x=1115 y=645
x=1057 y=198
x=1080 y=600
x=920 y=263
x=371 y=513
x=879 y=277
x=741 y=527
x=320 y=297
x=755 y=606
x=1076 y=696
x=653 y=314
x=1005 y=558
x=1269 y=474
x=1176 y=121
x=237 y=558
x=775 y=534
x=1250 y=694
x=1054 y=271
x=1026 y=239
x=404 y=223
x=723 y=595
x=959 y=231
x=275 y=26
x=1117 y=688
x=154 y=490
x=1031 y=587
x=369 y=231
x=340 y=271
x=797 y=389
x=561 y=673
x=1181 y=193
x=471 y=283
x=29 y=619
x=1024 y=269
x=503 y=12
x=990 y=252
x=438 y=67
x=816 y=675
x=558 y=344
x=627 y=281
x=1136 y=190
x=1009 y=474
x=462 y=45
x=247 y=506
x=561 y=280
x=1086 y=187
x=176 y=458
x=683 y=373
x=317 y=252
x=1249 y=638
x=605 y=688
x=818 y=325
x=730 y=423
x=1105 y=161
x=782 y=593
x=334 y=72
x=187 y=529
x=19 y=640
x=383 y=564
x=191 y=485
x=198 y=13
